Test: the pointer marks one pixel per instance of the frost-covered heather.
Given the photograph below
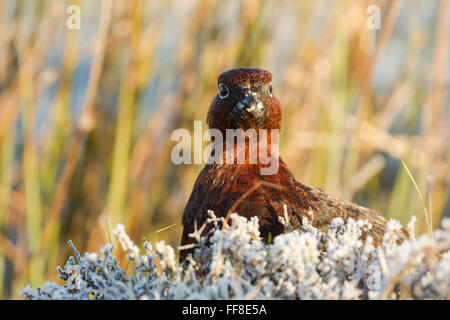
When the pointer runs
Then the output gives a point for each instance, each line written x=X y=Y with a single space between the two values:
x=234 y=263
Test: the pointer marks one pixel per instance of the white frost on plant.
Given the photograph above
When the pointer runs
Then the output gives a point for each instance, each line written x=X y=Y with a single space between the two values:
x=233 y=262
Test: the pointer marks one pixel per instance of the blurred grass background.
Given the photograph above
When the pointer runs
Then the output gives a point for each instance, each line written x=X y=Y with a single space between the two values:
x=86 y=115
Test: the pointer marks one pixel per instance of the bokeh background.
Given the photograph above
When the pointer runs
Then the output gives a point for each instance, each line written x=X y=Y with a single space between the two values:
x=86 y=115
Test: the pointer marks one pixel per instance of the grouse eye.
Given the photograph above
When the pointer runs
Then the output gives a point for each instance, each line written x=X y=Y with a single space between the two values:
x=270 y=90
x=223 y=91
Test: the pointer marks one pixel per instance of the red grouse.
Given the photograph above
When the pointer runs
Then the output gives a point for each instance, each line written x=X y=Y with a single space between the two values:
x=245 y=101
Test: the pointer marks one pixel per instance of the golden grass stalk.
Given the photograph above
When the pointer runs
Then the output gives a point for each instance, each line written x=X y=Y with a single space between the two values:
x=428 y=217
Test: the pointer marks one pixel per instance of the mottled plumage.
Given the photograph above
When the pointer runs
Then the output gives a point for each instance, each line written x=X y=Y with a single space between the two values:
x=220 y=186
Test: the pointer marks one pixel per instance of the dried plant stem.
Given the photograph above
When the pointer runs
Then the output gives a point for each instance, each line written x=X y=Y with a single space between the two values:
x=428 y=217
x=85 y=123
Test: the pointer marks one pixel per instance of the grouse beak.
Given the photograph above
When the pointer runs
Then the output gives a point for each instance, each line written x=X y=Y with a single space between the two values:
x=251 y=106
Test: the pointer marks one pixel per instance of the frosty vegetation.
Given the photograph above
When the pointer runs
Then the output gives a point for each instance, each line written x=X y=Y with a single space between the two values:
x=233 y=263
